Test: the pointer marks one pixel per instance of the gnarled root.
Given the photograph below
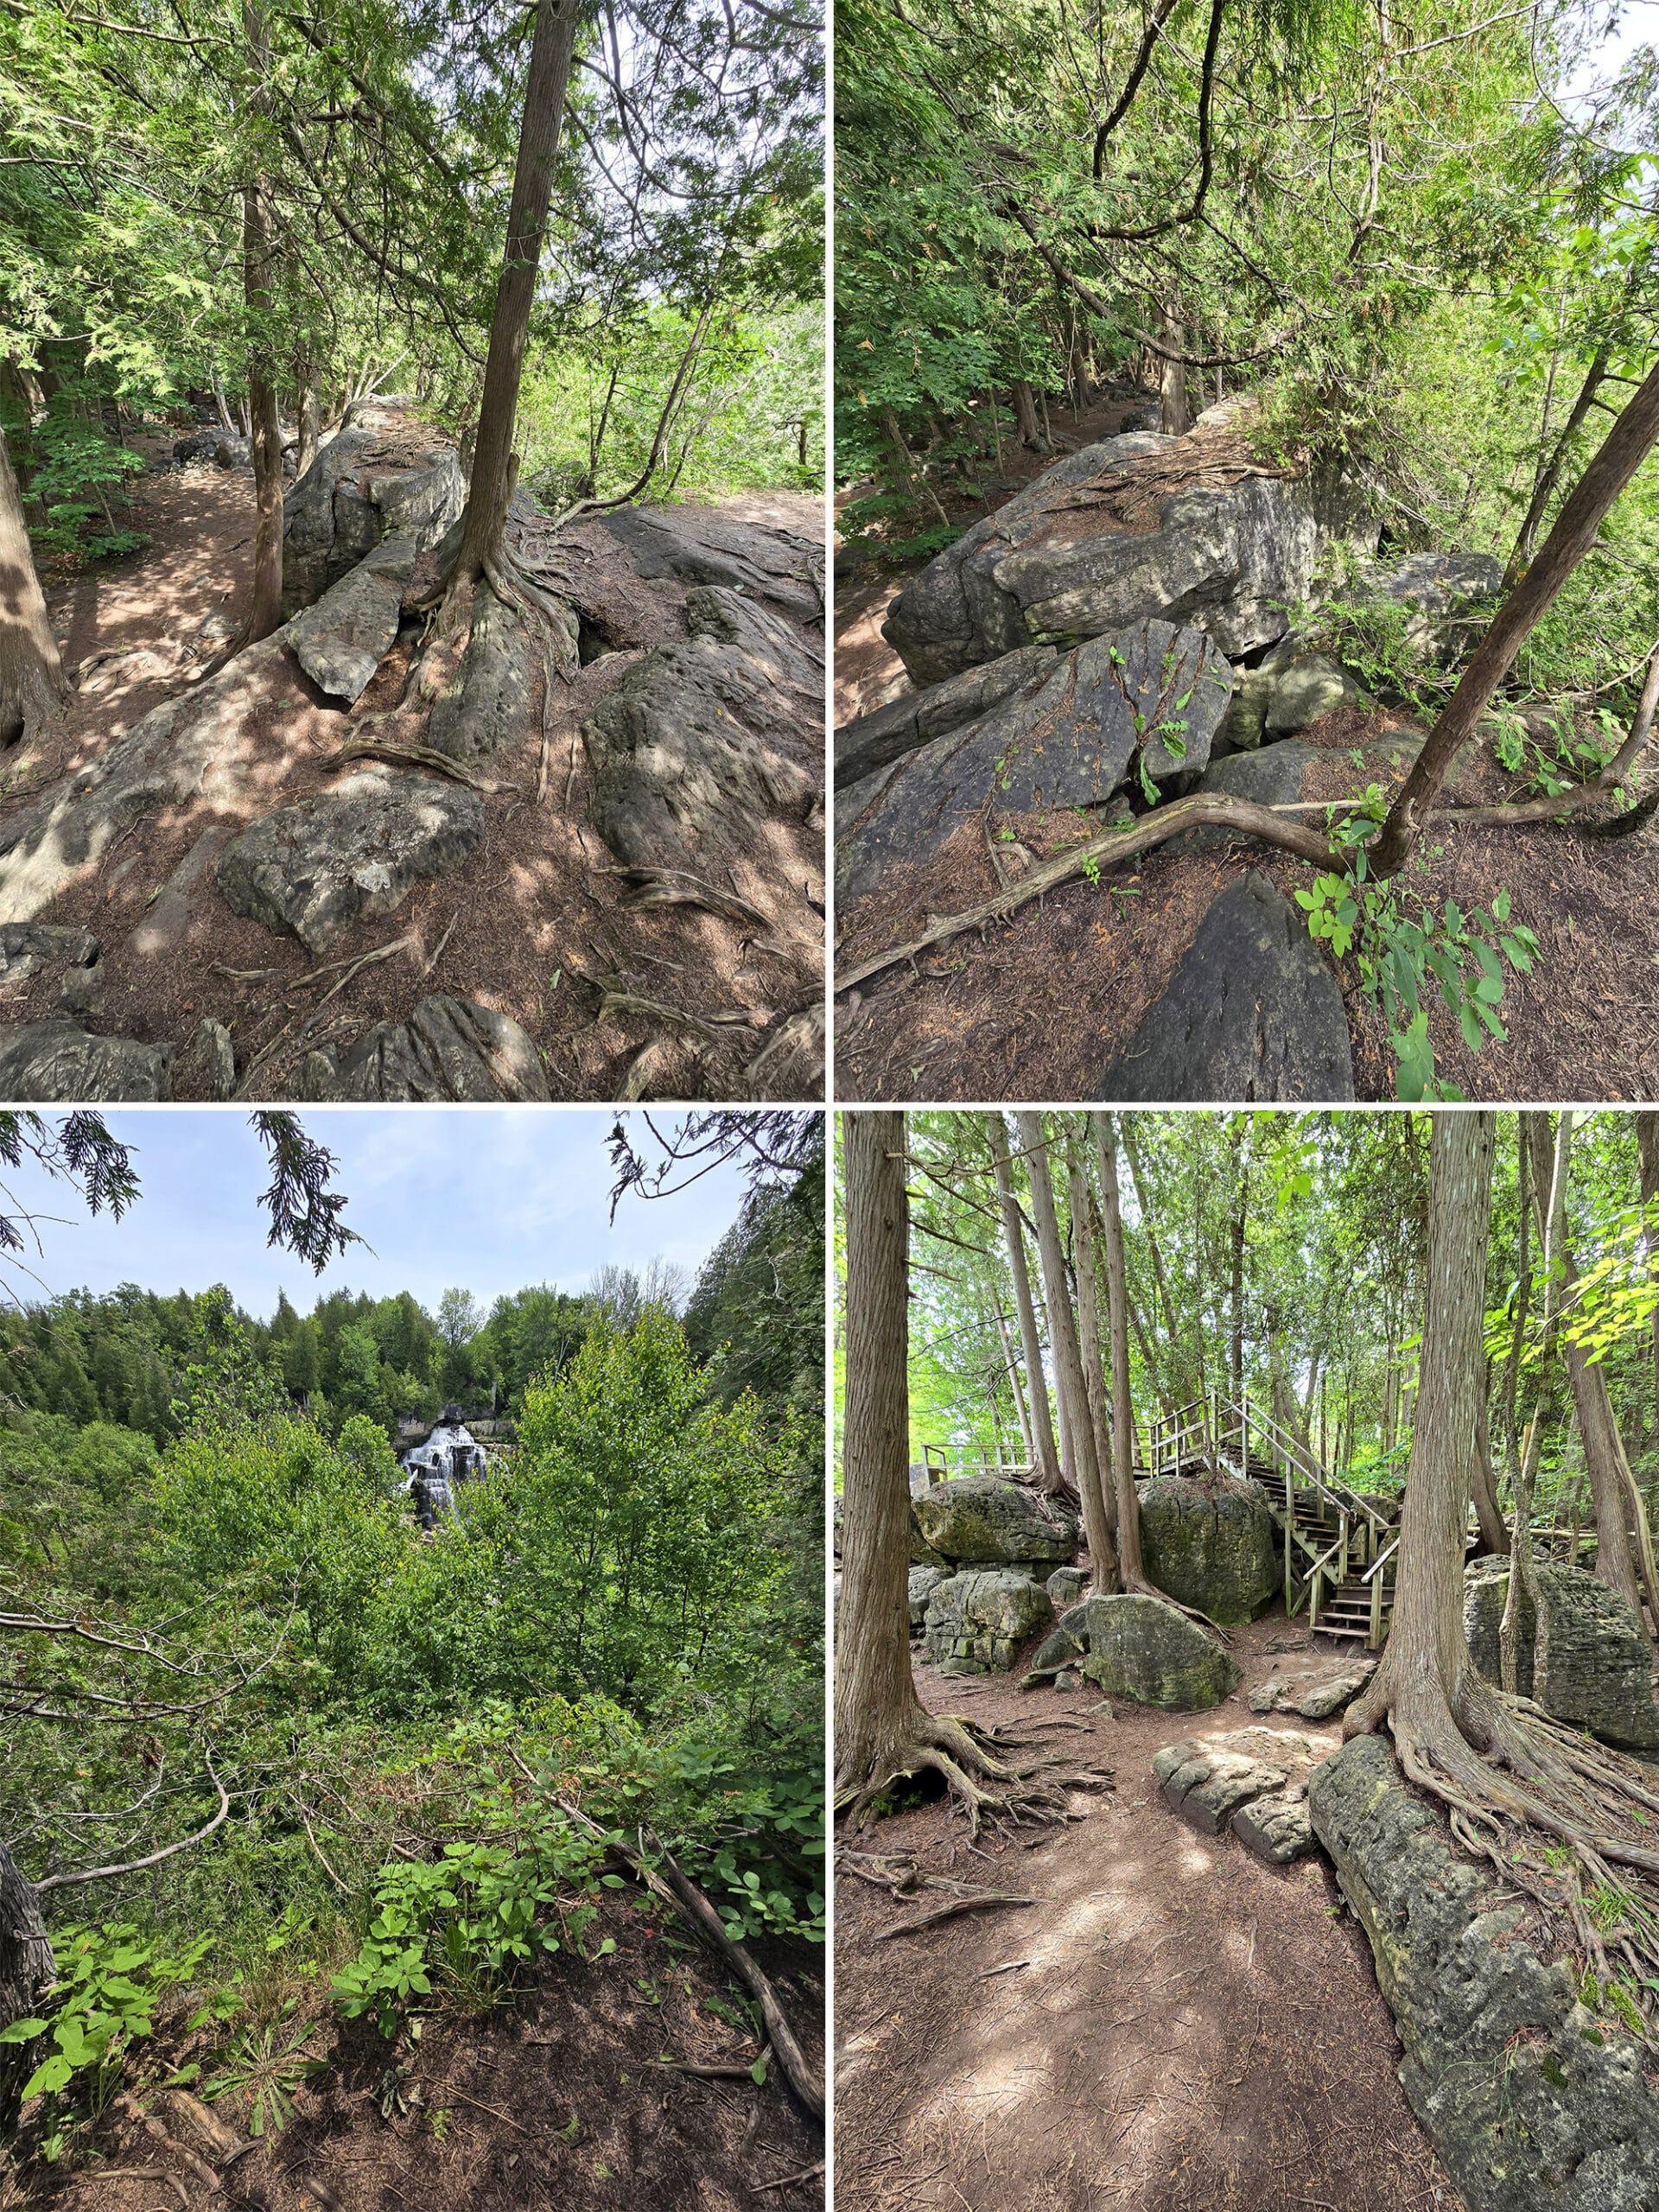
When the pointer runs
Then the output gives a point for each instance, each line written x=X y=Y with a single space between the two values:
x=986 y=1787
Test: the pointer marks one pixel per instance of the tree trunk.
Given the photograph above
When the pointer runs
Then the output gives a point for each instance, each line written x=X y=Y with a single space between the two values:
x=1172 y=379
x=266 y=607
x=32 y=683
x=1483 y=1484
x=494 y=463
x=1550 y=473
x=28 y=1969
x=1623 y=449
x=225 y=419
x=1130 y=1561
x=1068 y=1362
x=310 y=419
x=1236 y=1284
x=1426 y=1669
x=1647 y=1149
x=1024 y=414
x=1522 y=1588
x=1020 y=1415
x=1046 y=1460
x=1085 y=1244
x=877 y=1710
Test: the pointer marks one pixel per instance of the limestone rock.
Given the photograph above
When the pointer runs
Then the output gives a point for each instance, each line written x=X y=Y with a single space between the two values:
x=26 y=948
x=1146 y=699
x=723 y=546
x=207 y=1068
x=1252 y=1781
x=924 y=1581
x=338 y=510
x=976 y=1621
x=1591 y=1666
x=1534 y=2105
x=1251 y=1013
x=311 y=870
x=1139 y=1647
x=341 y=640
x=447 y=1049
x=701 y=740
x=1211 y=1544
x=899 y=725
x=1317 y=1694
x=1065 y=1586
x=1303 y=689
x=43 y=1061
x=1439 y=588
x=1246 y=715
x=1059 y=562
x=979 y=1519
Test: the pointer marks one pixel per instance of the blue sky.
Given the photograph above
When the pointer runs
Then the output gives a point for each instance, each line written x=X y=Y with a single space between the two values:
x=485 y=1197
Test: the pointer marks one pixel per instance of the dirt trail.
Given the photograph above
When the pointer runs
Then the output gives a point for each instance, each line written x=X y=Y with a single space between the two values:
x=1193 y=2031
x=519 y=926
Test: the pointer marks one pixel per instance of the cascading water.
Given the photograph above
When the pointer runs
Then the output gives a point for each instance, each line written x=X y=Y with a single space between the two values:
x=450 y=1455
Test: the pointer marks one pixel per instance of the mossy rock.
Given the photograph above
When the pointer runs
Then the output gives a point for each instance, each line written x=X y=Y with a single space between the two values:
x=1143 y=1649
x=977 y=1621
x=980 y=1520
x=1211 y=1544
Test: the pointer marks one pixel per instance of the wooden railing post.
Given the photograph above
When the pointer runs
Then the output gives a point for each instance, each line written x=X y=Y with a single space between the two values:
x=1373 y=1640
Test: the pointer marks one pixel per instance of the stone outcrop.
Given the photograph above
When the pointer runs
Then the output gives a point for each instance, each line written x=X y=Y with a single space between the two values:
x=41 y=1061
x=345 y=855
x=449 y=1049
x=1252 y=1014
x=1316 y=1693
x=1534 y=2103
x=700 y=742
x=486 y=702
x=1139 y=703
x=1252 y=1781
x=981 y=1520
x=976 y=1621
x=1139 y=1647
x=924 y=1581
x=206 y=1067
x=1437 y=589
x=1589 y=1662
x=901 y=724
x=1119 y=532
x=349 y=498
x=1211 y=1544
x=1065 y=1587
x=734 y=546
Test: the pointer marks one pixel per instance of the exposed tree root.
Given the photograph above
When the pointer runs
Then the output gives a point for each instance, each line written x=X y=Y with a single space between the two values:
x=1564 y=1820
x=987 y=1788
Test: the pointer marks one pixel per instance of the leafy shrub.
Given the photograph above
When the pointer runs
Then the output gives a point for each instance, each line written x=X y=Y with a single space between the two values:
x=111 y=1980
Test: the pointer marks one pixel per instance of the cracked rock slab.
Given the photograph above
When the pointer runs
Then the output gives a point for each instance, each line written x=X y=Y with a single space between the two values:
x=1251 y=1782
x=1252 y=1014
x=486 y=704
x=26 y=948
x=1317 y=1693
x=1139 y=703
x=41 y=1061
x=341 y=640
x=311 y=870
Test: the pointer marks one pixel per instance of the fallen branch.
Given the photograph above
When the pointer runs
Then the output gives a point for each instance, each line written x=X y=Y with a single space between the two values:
x=155 y=1858
x=1580 y=797
x=714 y=1025
x=407 y=756
x=672 y=887
x=1203 y=810
x=988 y=1903
x=789 y=2181
x=736 y=2073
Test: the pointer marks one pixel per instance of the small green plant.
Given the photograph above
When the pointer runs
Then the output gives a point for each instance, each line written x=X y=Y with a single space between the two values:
x=265 y=2066
x=1560 y=757
x=110 y=1981
x=1400 y=941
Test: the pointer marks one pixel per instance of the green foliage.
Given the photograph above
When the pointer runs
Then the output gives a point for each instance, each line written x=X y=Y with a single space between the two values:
x=111 y=1980
x=1400 y=941
x=264 y=2068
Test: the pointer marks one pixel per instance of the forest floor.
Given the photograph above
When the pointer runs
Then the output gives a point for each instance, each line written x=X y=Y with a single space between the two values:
x=1041 y=1004
x=557 y=2103
x=519 y=925
x=1193 y=2030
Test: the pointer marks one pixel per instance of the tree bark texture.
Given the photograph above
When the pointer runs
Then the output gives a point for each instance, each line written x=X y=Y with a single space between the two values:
x=1045 y=1456
x=31 y=673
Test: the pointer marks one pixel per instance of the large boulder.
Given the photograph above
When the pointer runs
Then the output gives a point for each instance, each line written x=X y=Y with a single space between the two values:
x=737 y=545
x=899 y=725
x=372 y=479
x=1118 y=532
x=976 y=1622
x=1252 y=1781
x=1438 y=590
x=1589 y=1662
x=1143 y=1649
x=981 y=1520
x=1534 y=2103
x=1251 y=1013
x=1143 y=702
x=447 y=1049
x=311 y=870
x=1211 y=1544
x=56 y=1060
